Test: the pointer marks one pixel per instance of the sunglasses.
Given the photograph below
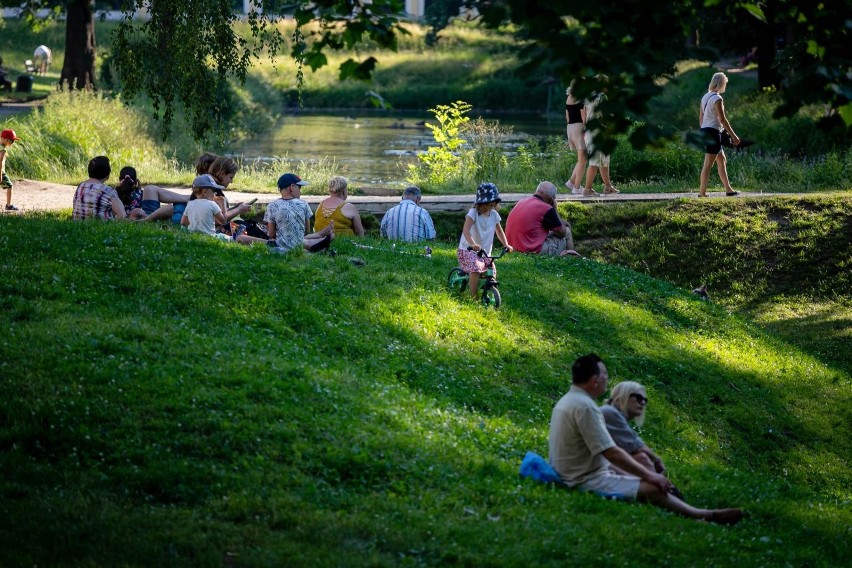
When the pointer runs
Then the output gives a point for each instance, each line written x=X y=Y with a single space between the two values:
x=639 y=397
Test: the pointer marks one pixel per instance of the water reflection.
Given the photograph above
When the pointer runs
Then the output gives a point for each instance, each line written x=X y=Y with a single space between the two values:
x=369 y=149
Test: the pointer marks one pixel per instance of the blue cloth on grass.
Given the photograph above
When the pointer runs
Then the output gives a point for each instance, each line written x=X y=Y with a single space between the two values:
x=537 y=468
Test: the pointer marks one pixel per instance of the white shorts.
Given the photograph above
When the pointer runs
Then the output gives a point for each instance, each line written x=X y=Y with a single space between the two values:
x=611 y=484
x=575 y=135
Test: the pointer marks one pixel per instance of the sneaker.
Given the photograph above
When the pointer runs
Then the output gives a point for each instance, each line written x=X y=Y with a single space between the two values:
x=574 y=189
x=11 y=207
x=590 y=193
x=610 y=190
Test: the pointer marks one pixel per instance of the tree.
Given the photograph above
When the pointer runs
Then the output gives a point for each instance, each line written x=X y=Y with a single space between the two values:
x=189 y=52
x=78 y=69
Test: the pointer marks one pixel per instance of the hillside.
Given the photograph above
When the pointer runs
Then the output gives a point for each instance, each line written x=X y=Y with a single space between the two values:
x=167 y=400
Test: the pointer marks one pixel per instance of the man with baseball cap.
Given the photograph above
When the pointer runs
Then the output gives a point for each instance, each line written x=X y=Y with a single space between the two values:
x=7 y=138
x=288 y=220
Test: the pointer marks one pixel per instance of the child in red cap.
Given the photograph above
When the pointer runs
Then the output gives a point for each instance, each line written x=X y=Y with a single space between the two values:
x=7 y=138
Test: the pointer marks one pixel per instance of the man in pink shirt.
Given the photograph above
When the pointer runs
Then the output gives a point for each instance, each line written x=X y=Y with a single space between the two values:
x=534 y=225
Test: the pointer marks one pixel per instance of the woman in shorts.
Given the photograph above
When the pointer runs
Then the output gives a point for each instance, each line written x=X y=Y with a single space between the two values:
x=712 y=118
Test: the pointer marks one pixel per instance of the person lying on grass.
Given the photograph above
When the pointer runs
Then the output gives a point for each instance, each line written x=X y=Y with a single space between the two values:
x=202 y=213
x=585 y=456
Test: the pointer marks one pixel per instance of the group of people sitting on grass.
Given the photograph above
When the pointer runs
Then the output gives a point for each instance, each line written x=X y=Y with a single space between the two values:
x=286 y=224
x=591 y=448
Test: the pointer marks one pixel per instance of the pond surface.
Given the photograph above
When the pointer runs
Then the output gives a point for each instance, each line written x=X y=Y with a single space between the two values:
x=370 y=149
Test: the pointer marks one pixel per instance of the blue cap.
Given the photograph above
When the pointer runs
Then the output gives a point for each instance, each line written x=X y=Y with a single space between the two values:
x=287 y=180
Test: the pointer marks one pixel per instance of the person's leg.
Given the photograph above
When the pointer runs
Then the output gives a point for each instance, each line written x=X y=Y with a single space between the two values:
x=653 y=495
x=705 y=174
x=8 y=197
x=591 y=172
x=318 y=236
x=163 y=212
x=248 y=241
x=722 y=166
x=474 y=284
x=580 y=168
x=154 y=192
x=608 y=187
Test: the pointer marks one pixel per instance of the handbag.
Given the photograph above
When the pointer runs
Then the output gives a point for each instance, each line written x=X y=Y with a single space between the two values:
x=726 y=139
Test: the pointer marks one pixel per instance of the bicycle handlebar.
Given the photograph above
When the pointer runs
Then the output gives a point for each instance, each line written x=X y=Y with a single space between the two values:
x=483 y=254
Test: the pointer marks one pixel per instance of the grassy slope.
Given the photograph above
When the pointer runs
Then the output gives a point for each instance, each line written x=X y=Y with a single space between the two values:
x=170 y=400
x=783 y=261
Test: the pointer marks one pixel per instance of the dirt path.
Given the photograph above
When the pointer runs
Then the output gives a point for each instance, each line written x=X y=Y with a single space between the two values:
x=30 y=195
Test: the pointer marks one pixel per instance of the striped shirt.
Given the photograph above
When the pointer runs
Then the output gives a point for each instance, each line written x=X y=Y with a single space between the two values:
x=93 y=201
x=407 y=222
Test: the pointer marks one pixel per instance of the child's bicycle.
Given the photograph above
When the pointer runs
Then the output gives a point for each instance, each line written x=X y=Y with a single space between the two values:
x=458 y=280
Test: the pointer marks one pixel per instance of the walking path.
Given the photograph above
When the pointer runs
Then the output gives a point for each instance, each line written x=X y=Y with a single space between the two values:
x=29 y=195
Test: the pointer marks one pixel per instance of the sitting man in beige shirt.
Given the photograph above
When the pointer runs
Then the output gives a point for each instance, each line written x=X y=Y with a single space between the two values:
x=585 y=456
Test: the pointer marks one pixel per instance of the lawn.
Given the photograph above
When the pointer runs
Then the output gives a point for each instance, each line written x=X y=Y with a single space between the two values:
x=170 y=400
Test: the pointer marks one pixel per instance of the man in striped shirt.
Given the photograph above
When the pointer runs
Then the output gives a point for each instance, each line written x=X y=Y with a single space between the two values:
x=408 y=221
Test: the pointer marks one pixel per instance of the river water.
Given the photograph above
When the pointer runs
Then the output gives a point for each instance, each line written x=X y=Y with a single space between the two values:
x=370 y=149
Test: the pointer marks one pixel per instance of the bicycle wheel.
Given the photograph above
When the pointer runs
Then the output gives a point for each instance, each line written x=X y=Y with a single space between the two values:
x=491 y=298
x=457 y=280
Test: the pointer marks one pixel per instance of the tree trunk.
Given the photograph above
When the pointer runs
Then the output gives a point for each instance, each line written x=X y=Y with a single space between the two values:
x=767 y=76
x=78 y=71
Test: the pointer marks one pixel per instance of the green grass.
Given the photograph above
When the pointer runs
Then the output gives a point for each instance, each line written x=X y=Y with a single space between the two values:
x=168 y=399
x=783 y=261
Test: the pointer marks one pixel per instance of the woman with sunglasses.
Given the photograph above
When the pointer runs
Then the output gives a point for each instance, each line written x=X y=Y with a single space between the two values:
x=628 y=402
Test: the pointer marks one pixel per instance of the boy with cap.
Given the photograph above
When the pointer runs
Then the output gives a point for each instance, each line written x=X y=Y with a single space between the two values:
x=289 y=219
x=7 y=138
x=202 y=213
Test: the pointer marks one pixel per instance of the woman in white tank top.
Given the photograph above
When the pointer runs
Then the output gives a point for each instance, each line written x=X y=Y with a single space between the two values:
x=712 y=118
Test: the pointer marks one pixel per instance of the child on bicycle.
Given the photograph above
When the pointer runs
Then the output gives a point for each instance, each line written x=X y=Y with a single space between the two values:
x=480 y=225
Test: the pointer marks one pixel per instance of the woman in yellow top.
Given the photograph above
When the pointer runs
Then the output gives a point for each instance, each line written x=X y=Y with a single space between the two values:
x=346 y=219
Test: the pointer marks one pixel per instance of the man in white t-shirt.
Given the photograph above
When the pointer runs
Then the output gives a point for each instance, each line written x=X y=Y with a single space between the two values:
x=584 y=455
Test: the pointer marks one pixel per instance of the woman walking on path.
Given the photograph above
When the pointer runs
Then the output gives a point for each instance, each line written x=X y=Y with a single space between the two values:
x=575 y=114
x=713 y=120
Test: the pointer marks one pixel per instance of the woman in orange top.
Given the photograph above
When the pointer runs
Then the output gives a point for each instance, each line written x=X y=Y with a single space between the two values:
x=346 y=219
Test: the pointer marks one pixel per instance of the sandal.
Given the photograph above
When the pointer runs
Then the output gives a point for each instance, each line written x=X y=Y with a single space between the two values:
x=732 y=193
x=322 y=245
